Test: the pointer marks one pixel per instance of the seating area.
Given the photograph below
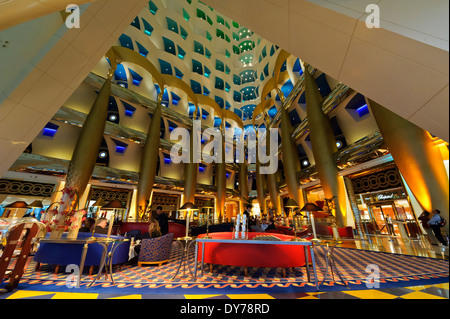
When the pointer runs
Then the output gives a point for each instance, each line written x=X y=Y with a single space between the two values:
x=62 y=254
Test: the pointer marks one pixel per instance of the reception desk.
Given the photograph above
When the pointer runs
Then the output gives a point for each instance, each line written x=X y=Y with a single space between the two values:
x=222 y=249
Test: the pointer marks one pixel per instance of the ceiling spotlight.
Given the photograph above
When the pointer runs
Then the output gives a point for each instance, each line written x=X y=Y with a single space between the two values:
x=113 y=117
x=338 y=144
x=305 y=163
x=102 y=154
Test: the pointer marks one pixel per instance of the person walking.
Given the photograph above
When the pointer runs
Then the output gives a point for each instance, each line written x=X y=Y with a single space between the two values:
x=434 y=223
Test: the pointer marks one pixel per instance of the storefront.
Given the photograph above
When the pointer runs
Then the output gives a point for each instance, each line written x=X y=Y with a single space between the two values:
x=383 y=202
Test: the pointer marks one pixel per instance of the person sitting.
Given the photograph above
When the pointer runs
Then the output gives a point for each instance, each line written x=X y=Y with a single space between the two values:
x=271 y=225
x=101 y=226
x=87 y=225
x=264 y=224
x=256 y=227
x=153 y=231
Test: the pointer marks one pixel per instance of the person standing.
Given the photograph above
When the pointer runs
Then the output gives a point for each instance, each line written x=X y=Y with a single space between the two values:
x=434 y=224
x=163 y=220
x=424 y=219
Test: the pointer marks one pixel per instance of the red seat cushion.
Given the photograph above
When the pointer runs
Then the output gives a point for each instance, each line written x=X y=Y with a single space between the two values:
x=252 y=255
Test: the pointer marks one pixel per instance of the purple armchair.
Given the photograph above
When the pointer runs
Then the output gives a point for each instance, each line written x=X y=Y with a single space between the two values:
x=155 y=250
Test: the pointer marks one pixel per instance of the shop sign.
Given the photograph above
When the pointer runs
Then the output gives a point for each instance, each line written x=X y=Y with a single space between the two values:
x=381 y=197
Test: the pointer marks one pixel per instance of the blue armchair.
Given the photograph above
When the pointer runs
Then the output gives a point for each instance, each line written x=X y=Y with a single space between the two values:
x=155 y=250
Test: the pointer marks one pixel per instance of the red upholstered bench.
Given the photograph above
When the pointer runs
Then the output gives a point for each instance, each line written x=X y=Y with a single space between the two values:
x=248 y=255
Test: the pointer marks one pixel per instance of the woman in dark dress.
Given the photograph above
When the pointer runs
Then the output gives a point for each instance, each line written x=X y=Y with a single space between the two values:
x=153 y=231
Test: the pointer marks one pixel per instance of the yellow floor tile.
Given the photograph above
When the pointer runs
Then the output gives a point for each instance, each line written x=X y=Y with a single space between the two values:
x=250 y=296
x=199 y=296
x=418 y=288
x=128 y=297
x=74 y=295
x=420 y=295
x=308 y=297
x=370 y=294
x=27 y=294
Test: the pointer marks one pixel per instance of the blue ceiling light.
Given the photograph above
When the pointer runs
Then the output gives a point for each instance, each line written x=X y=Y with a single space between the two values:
x=166 y=67
x=207 y=72
x=152 y=7
x=217 y=121
x=50 y=130
x=197 y=67
x=172 y=126
x=120 y=74
x=191 y=109
x=121 y=147
x=142 y=50
x=287 y=88
x=169 y=46
x=148 y=29
x=357 y=107
x=172 y=25
x=136 y=77
x=129 y=109
x=272 y=111
x=167 y=160
x=297 y=67
x=363 y=110
x=196 y=87
x=220 y=101
x=126 y=42
x=181 y=53
x=175 y=98
x=178 y=73
x=136 y=23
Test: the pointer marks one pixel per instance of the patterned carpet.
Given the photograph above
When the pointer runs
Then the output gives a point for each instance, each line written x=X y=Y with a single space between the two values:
x=400 y=272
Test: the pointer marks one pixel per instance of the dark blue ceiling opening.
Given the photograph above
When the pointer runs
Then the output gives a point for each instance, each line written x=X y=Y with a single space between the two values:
x=358 y=108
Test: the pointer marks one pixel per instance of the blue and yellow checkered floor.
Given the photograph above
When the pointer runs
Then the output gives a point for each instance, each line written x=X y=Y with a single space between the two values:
x=402 y=277
x=438 y=291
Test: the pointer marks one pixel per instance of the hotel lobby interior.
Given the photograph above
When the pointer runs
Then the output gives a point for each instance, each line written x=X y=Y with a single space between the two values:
x=97 y=97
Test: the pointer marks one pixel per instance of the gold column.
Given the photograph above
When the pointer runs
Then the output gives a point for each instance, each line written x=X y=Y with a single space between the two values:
x=149 y=161
x=86 y=150
x=291 y=161
x=243 y=180
x=243 y=185
x=190 y=172
x=418 y=159
x=221 y=178
x=323 y=145
x=260 y=186
x=272 y=183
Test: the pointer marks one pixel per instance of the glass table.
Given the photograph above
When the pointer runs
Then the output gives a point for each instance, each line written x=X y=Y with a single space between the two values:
x=328 y=250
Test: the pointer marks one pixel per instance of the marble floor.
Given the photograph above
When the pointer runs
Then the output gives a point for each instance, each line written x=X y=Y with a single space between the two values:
x=396 y=245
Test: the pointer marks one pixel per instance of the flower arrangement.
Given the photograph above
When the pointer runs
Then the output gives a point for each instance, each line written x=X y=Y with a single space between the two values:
x=65 y=217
